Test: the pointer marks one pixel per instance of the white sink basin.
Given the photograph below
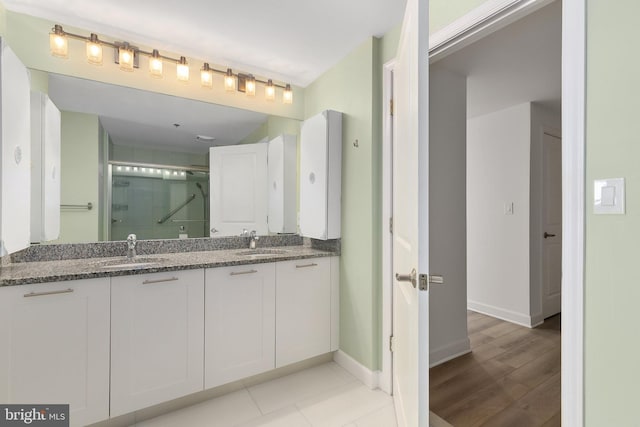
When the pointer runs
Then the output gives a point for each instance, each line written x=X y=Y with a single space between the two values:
x=135 y=263
x=261 y=252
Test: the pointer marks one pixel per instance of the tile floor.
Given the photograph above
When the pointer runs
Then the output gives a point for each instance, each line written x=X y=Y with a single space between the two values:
x=325 y=395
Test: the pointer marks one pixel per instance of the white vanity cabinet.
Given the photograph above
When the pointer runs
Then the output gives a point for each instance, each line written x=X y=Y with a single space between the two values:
x=282 y=161
x=306 y=305
x=55 y=346
x=240 y=305
x=320 y=175
x=157 y=338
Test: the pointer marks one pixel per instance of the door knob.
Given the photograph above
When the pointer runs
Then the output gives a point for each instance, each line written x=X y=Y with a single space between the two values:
x=411 y=277
x=547 y=235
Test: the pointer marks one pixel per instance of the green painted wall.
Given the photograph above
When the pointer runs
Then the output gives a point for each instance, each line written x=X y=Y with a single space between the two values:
x=3 y=20
x=444 y=12
x=29 y=38
x=79 y=177
x=612 y=350
x=348 y=87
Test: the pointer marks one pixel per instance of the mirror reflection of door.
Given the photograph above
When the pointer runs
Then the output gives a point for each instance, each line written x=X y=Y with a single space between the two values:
x=239 y=194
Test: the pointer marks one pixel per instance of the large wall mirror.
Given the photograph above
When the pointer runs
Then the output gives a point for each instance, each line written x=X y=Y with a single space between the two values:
x=138 y=162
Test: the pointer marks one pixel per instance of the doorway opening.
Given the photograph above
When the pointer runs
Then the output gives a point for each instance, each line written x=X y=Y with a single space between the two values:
x=503 y=133
x=542 y=123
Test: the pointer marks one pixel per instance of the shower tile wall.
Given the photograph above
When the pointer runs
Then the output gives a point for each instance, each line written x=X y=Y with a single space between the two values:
x=137 y=202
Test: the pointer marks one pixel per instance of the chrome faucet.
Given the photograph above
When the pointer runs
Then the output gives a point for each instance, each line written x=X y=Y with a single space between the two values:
x=252 y=242
x=132 y=241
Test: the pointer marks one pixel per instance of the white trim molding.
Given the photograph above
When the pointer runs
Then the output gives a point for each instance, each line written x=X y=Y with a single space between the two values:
x=487 y=18
x=452 y=350
x=504 y=314
x=573 y=209
x=386 y=374
x=362 y=373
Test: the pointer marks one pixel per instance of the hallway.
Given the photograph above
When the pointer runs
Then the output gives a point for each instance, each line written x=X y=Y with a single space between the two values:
x=512 y=376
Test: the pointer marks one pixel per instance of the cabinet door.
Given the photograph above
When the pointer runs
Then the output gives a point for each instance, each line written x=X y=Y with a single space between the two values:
x=303 y=309
x=313 y=177
x=157 y=338
x=240 y=322
x=238 y=189
x=282 y=182
x=55 y=346
x=15 y=158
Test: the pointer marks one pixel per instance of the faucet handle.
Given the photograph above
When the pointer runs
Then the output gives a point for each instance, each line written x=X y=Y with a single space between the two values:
x=132 y=238
x=244 y=232
x=254 y=235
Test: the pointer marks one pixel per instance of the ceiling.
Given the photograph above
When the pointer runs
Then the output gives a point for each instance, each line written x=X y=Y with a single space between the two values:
x=289 y=40
x=519 y=63
x=136 y=117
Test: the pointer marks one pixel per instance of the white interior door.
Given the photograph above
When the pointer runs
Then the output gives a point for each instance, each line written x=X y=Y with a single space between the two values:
x=410 y=210
x=551 y=225
x=238 y=193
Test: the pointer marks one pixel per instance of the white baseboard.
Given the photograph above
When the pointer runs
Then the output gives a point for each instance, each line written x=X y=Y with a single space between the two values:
x=537 y=319
x=449 y=351
x=365 y=375
x=501 y=313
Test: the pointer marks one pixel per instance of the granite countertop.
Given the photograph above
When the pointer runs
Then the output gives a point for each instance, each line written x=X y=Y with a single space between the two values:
x=22 y=273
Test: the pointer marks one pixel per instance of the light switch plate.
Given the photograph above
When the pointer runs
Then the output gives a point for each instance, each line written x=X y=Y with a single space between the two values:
x=508 y=208
x=608 y=196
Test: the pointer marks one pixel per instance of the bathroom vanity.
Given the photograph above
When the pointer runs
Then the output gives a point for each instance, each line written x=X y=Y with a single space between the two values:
x=111 y=336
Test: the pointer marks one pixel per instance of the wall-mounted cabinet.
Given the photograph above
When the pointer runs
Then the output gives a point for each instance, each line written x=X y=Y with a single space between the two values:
x=282 y=159
x=55 y=346
x=45 y=168
x=321 y=175
x=15 y=153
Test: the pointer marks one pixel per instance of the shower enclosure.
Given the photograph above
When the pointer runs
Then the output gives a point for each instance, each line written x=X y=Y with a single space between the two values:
x=158 y=201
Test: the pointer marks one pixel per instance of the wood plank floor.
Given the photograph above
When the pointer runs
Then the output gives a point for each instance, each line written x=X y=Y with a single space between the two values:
x=511 y=377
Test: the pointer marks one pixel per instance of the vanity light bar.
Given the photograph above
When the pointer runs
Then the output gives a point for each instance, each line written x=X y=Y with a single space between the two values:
x=127 y=57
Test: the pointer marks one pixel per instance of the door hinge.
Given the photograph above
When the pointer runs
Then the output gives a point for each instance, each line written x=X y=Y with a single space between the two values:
x=391 y=343
x=391 y=225
x=423 y=280
x=391 y=107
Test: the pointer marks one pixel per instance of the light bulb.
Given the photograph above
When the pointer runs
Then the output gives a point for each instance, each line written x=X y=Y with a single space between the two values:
x=94 y=50
x=182 y=70
x=250 y=86
x=287 y=95
x=206 y=76
x=270 y=91
x=155 y=65
x=58 y=42
x=125 y=57
x=229 y=81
